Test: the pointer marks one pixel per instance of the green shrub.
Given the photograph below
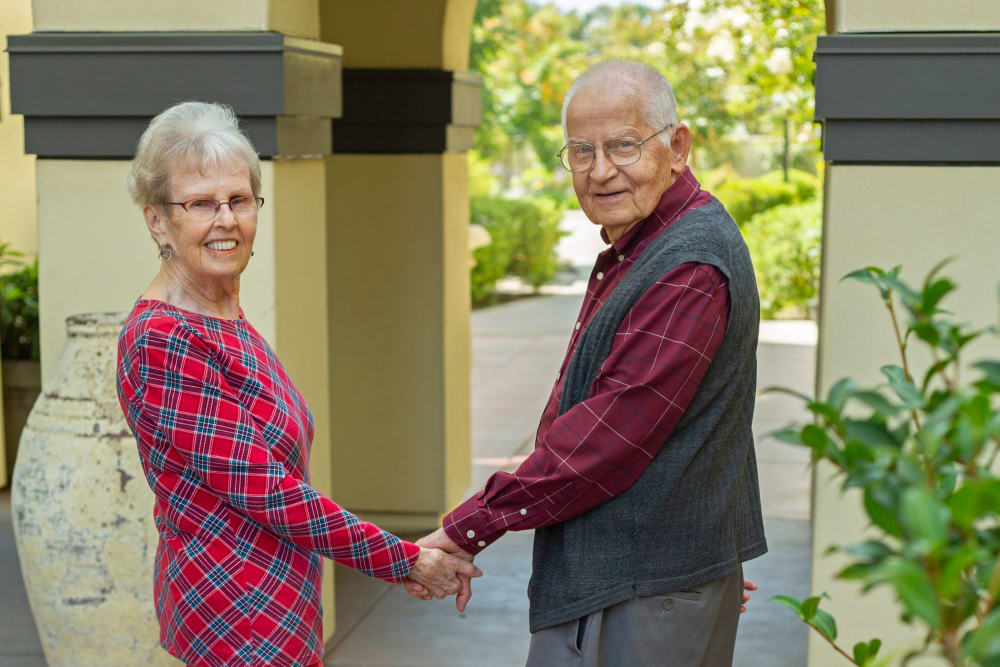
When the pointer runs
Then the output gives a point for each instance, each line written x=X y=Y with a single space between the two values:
x=784 y=244
x=919 y=451
x=523 y=233
x=747 y=197
x=19 y=333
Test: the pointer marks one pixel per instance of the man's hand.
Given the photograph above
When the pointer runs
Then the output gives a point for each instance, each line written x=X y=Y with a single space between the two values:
x=440 y=540
x=747 y=586
x=441 y=574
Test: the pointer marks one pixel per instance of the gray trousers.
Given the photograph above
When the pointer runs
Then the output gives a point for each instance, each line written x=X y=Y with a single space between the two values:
x=695 y=628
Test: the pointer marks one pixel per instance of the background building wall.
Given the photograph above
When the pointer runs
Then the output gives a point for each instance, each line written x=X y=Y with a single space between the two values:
x=17 y=186
x=915 y=15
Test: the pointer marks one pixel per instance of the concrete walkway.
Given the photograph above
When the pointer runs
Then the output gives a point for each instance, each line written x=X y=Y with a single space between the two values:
x=517 y=349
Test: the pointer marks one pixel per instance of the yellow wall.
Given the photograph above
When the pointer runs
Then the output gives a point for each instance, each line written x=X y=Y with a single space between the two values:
x=393 y=33
x=293 y=17
x=884 y=216
x=399 y=335
x=17 y=186
x=914 y=15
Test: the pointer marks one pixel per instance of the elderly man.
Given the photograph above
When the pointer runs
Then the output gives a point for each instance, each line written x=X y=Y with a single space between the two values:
x=642 y=486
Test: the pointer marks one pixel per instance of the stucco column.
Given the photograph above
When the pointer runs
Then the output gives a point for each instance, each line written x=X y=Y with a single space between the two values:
x=17 y=187
x=912 y=145
x=398 y=249
x=87 y=81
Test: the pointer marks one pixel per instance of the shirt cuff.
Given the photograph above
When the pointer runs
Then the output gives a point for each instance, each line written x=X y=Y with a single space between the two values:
x=467 y=528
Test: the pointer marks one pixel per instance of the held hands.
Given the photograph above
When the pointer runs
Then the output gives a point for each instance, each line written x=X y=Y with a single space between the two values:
x=439 y=541
x=440 y=574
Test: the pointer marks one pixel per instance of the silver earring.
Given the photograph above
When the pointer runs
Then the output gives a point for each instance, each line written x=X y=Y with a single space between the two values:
x=166 y=253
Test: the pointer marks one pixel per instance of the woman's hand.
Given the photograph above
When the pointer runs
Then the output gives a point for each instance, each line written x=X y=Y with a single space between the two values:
x=438 y=572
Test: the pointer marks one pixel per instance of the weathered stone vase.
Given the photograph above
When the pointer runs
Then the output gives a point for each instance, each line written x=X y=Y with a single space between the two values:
x=83 y=512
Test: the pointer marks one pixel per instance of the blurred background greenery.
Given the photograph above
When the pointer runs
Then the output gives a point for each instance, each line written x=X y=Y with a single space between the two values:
x=742 y=74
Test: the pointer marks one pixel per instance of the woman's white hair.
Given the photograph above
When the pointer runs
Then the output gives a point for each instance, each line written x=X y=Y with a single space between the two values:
x=660 y=106
x=198 y=135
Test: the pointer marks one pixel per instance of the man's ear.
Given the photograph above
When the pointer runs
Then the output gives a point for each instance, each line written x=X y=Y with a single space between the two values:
x=680 y=148
x=155 y=223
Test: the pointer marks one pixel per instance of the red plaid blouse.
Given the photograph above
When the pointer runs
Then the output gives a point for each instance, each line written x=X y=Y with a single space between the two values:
x=658 y=357
x=224 y=439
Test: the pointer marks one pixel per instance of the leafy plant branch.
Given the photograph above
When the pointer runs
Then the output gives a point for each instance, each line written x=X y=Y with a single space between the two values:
x=921 y=457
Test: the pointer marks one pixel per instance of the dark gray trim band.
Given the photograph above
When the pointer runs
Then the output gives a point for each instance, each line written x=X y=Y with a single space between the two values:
x=908 y=98
x=91 y=94
x=407 y=111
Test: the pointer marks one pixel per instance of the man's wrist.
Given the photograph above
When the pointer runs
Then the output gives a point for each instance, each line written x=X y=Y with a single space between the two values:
x=466 y=530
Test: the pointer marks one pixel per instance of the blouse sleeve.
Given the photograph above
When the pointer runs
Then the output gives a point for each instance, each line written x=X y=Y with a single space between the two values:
x=187 y=410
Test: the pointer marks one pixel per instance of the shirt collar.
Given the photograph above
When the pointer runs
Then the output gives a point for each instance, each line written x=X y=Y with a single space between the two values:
x=672 y=204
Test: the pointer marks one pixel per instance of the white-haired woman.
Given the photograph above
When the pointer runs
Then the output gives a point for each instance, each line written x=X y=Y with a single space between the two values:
x=223 y=434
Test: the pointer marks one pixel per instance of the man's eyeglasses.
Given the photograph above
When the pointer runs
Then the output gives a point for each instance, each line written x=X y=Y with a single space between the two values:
x=621 y=151
x=204 y=210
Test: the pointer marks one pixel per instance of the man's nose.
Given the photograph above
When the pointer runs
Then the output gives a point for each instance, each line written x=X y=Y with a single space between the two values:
x=604 y=169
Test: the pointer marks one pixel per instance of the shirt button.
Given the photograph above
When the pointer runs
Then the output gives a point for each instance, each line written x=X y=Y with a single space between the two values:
x=470 y=534
x=523 y=511
x=600 y=275
x=481 y=543
x=668 y=603
x=621 y=258
x=577 y=325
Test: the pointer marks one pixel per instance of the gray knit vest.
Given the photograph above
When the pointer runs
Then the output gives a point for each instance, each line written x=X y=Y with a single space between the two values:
x=694 y=514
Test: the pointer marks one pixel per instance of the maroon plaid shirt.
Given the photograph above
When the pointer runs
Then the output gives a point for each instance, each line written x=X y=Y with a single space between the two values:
x=601 y=446
x=224 y=439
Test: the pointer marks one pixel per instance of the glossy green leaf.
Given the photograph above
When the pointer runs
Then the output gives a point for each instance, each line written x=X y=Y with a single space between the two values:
x=991 y=369
x=975 y=499
x=984 y=644
x=910 y=395
x=881 y=512
x=818 y=440
x=861 y=653
x=840 y=392
x=873 y=646
x=824 y=622
x=789 y=434
x=809 y=607
x=915 y=591
x=877 y=402
x=790 y=602
x=869 y=433
x=871 y=550
x=924 y=515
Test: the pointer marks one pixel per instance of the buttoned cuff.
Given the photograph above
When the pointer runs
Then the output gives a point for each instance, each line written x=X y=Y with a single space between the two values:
x=467 y=528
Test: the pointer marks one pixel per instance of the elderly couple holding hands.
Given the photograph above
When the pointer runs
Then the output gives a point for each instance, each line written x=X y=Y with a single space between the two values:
x=642 y=487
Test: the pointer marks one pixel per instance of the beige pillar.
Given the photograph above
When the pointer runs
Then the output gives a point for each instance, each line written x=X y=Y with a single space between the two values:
x=17 y=187
x=97 y=255
x=913 y=213
x=399 y=290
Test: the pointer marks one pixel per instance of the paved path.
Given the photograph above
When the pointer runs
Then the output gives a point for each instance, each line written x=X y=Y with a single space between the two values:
x=517 y=348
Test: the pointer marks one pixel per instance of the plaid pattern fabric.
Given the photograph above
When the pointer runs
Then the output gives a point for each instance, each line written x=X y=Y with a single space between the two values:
x=601 y=446
x=224 y=439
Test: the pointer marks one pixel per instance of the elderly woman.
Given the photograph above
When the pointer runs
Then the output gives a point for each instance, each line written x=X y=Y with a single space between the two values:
x=223 y=434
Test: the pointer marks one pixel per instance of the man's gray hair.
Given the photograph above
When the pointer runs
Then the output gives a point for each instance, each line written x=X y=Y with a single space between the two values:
x=617 y=75
x=199 y=135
